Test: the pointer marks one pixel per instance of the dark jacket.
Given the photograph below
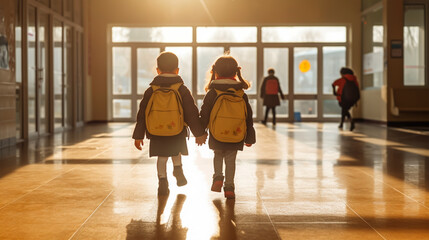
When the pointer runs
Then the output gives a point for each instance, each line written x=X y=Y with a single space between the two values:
x=171 y=145
x=271 y=100
x=340 y=84
x=206 y=108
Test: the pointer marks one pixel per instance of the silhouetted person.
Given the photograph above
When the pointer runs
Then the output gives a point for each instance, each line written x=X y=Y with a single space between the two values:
x=346 y=89
x=270 y=91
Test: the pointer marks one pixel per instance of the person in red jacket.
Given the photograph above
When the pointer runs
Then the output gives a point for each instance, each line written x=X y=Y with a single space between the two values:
x=347 y=96
x=270 y=91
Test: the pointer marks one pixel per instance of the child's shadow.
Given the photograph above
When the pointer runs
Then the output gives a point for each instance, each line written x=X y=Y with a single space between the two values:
x=227 y=226
x=171 y=229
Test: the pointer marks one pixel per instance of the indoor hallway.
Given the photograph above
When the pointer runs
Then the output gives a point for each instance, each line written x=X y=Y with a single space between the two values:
x=300 y=181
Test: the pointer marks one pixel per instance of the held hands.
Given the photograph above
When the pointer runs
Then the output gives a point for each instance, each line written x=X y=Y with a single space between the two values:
x=201 y=139
x=138 y=143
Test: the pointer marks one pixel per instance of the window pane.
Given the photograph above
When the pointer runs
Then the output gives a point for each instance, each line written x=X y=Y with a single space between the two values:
x=331 y=109
x=334 y=58
x=199 y=103
x=372 y=46
x=206 y=56
x=152 y=34
x=305 y=70
x=253 y=104
x=121 y=70
x=146 y=67
x=307 y=108
x=283 y=109
x=185 y=63
x=414 y=46
x=226 y=34
x=121 y=108
x=304 y=34
x=278 y=58
x=246 y=58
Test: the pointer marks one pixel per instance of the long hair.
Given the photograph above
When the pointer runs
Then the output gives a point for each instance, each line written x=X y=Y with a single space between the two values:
x=226 y=67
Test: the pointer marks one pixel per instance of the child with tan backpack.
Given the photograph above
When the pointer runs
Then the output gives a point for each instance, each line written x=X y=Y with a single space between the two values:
x=227 y=114
x=167 y=108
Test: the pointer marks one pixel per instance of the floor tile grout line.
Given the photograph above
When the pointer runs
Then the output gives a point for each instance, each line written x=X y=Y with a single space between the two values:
x=269 y=217
x=357 y=214
x=41 y=185
x=87 y=219
x=96 y=209
x=366 y=222
x=395 y=189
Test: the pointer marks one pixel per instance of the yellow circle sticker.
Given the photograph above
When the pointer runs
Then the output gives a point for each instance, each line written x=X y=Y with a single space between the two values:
x=304 y=66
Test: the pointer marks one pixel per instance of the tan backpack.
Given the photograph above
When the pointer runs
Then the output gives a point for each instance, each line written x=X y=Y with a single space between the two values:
x=164 y=111
x=228 y=116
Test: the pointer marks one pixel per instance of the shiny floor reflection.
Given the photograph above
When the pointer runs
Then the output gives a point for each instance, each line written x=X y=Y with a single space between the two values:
x=300 y=181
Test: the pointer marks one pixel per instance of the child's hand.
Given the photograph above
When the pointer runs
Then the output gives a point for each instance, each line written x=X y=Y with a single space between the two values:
x=248 y=145
x=201 y=139
x=138 y=143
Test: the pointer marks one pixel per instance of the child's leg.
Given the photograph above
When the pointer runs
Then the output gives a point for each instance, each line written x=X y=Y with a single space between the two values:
x=274 y=115
x=218 y=163
x=178 y=171
x=230 y=157
x=177 y=160
x=162 y=176
x=218 y=171
x=162 y=167
x=228 y=190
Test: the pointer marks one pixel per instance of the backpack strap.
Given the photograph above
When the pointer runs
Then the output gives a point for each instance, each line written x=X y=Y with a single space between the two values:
x=230 y=91
x=175 y=86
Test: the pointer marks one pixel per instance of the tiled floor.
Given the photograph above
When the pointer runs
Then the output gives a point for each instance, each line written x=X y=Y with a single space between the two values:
x=300 y=181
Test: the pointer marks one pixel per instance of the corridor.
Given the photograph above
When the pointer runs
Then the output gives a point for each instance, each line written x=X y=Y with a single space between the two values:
x=299 y=181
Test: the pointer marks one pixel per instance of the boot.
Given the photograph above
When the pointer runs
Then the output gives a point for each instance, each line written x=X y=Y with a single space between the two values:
x=178 y=173
x=217 y=184
x=229 y=192
x=352 y=124
x=163 y=187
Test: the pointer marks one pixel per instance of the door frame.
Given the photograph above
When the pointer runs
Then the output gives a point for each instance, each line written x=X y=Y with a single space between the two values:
x=319 y=96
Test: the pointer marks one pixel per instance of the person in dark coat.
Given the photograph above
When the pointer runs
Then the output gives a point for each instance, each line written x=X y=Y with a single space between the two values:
x=270 y=91
x=224 y=74
x=338 y=85
x=169 y=146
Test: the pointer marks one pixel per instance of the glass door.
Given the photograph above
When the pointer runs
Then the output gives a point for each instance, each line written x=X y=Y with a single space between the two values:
x=43 y=72
x=58 y=74
x=79 y=78
x=305 y=82
x=38 y=72
x=309 y=95
x=31 y=70
x=278 y=58
x=68 y=81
